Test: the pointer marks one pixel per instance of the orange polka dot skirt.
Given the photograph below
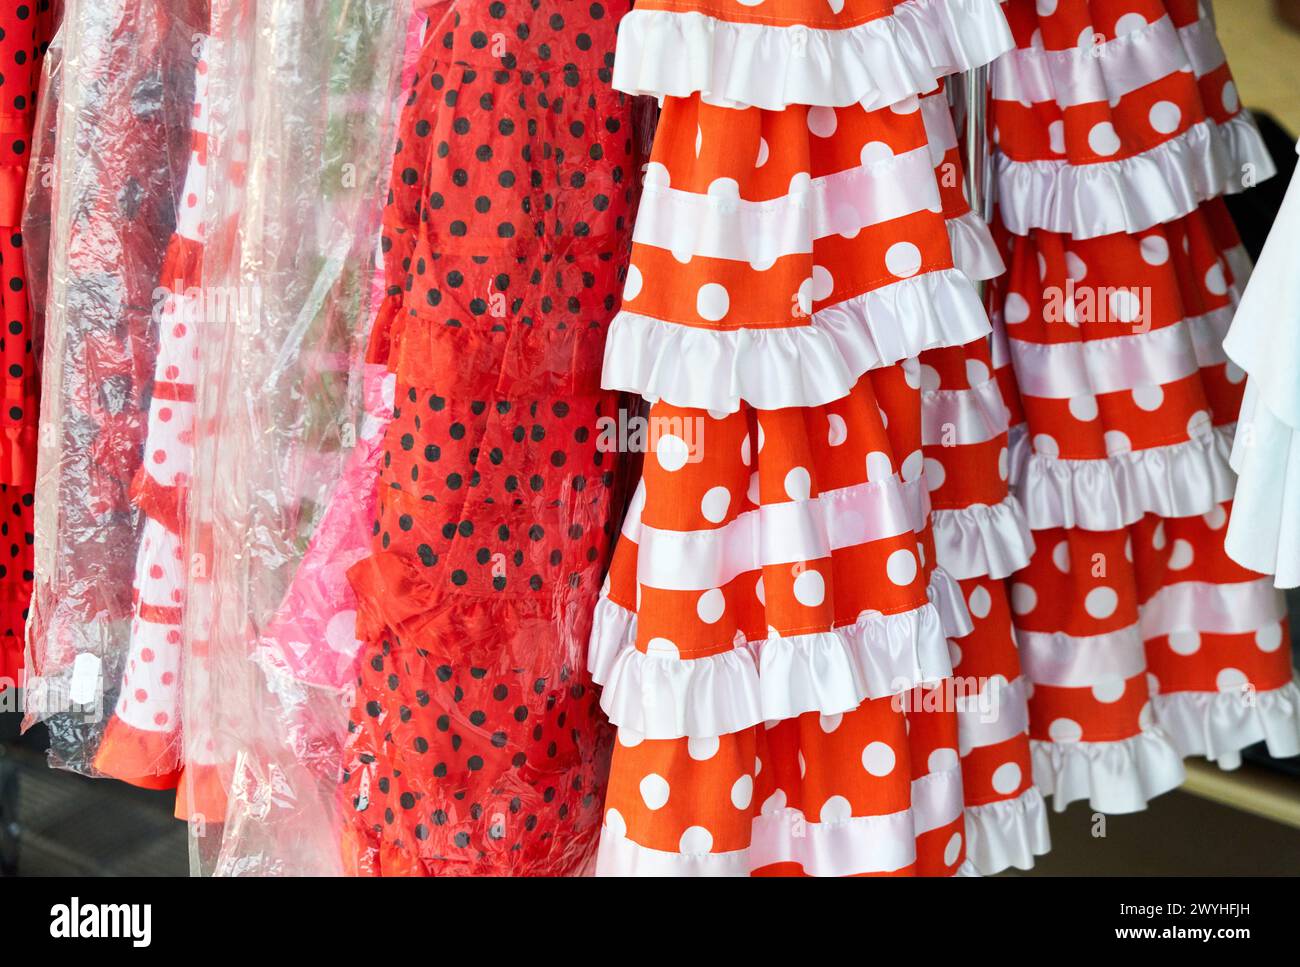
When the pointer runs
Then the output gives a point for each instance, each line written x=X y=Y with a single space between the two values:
x=827 y=485
x=886 y=582
x=1117 y=127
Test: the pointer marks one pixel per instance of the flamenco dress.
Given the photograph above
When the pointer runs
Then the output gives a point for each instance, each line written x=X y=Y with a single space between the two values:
x=774 y=637
x=1117 y=128
x=476 y=745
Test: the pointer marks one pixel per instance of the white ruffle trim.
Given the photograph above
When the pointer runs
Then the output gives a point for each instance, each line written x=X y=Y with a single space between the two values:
x=1132 y=194
x=861 y=844
x=974 y=252
x=725 y=226
x=804 y=365
x=613 y=631
x=1009 y=833
x=1218 y=725
x=1115 y=777
x=877 y=63
x=981 y=540
x=661 y=696
x=1180 y=480
x=960 y=417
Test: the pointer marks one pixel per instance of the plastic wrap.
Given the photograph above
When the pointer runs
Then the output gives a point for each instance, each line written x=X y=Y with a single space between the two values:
x=113 y=144
x=209 y=199
x=301 y=99
x=248 y=566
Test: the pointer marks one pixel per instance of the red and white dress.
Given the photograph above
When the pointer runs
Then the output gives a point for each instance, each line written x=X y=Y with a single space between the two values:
x=144 y=742
x=773 y=640
x=1117 y=127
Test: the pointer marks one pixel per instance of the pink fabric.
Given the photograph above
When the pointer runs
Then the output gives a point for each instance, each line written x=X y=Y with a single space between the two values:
x=312 y=636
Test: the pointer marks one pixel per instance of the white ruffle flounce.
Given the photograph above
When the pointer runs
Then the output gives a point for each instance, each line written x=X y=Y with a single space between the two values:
x=877 y=63
x=661 y=696
x=1180 y=480
x=1264 y=532
x=1000 y=835
x=1132 y=194
x=1218 y=725
x=805 y=365
x=974 y=252
x=991 y=540
x=1264 y=529
x=1115 y=777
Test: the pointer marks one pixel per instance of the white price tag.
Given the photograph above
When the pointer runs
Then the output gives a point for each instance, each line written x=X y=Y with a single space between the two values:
x=85 y=679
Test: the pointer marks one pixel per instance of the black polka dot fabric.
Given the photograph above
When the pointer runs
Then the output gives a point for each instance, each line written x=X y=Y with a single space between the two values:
x=477 y=745
x=24 y=32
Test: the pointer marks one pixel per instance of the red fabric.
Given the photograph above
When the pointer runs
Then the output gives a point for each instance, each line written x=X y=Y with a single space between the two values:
x=24 y=33
x=477 y=745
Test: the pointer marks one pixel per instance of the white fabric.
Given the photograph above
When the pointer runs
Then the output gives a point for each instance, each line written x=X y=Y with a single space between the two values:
x=936 y=799
x=997 y=712
x=940 y=130
x=660 y=696
x=974 y=252
x=1219 y=725
x=1180 y=480
x=1264 y=529
x=982 y=539
x=148 y=698
x=803 y=365
x=1068 y=661
x=963 y=416
x=1009 y=833
x=613 y=631
x=1109 y=70
x=1131 y=194
x=1064 y=370
x=722 y=225
x=1264 y=532
x=863 y=844
x=781 y=834
x=780 y=533
x=877 y=63
x=1115 y=777
x=1218 y=609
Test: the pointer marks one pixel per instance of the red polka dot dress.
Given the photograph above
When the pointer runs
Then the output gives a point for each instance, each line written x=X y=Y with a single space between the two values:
x=143 y=743
x=981 y=536
x=1117 y=127
x=476 y=744
x=24 y=33
x=773 y=640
